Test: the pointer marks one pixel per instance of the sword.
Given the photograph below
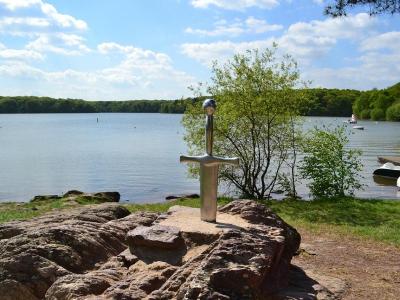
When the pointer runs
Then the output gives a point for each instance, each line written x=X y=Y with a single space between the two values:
x=209 y=165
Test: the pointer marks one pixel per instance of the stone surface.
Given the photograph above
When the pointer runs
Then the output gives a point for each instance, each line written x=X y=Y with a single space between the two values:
x=35 y=253
x=45 y=197
x=157 y=236
x=84 y=254
x=73 y=194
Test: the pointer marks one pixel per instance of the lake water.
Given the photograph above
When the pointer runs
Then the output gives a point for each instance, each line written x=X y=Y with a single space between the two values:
x=134 y=154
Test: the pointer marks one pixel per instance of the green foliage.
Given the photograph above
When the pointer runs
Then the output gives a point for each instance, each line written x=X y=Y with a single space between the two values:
x=256 y=101
x=393 y=112
x=377 y=114
x=31 y=104
x=329 y=102
x=365 y=114
x=375 y=104
x=331 y=168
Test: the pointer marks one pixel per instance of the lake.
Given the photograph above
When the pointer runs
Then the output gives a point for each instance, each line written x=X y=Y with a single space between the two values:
x=134 y=154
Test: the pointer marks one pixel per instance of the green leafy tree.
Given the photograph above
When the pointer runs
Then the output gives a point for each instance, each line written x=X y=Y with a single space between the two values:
x=393 y=112
x=256 y=102
x=331 y=168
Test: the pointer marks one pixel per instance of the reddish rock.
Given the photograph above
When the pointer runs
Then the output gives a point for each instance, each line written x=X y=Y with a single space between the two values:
x=84 y=254
x=156 y=236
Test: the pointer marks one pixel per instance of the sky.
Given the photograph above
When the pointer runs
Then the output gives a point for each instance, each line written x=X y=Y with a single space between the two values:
x=156 y=49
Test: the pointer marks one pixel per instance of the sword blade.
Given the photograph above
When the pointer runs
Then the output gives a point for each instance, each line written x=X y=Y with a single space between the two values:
x=208 y=192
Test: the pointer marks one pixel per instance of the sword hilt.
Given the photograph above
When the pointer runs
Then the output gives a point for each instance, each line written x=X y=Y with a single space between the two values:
x=209 y=160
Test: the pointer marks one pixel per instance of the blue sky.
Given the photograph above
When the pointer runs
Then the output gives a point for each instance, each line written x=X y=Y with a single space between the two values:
x=155 y=49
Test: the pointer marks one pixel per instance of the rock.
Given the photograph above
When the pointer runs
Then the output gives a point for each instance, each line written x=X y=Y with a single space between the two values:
x=157 y=236
x=73 y=193
x=100 y=196
x=37 y=252
x=45 y=198
x=111 y=196
x=84 y=254
x=182 y=196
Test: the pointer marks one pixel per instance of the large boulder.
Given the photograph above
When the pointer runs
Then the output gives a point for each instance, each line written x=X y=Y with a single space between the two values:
x=103 y=252
x=37 y=252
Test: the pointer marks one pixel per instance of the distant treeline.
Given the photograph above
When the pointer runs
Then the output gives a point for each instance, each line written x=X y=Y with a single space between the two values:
x=375 y=104
x=379 y=104
x=32 y=104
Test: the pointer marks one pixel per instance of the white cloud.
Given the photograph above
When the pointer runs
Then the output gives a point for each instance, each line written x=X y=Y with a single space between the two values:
x=235 y=4
x=375 y=70
x=249 y=26
x=60 y=43
x=310 y=43
x=306 y=41
x=16 y=4
x=387 y=40
x=6 y=53
x=140 y=73
x=49 y=17
x=63 y=20
x=28 y=21
x=206 y=53
x=45 y=29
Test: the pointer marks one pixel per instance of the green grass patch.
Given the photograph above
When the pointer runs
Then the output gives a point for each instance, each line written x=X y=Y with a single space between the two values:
x=10 y=211
x=372 y=219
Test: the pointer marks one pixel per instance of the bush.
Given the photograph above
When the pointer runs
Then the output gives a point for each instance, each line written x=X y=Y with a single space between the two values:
x=331 y=168
x=393 y=112
x=377 y=114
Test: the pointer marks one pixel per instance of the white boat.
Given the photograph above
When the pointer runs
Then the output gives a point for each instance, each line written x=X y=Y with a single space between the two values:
x=353 y=119
x=358 y=127
x=389 y=170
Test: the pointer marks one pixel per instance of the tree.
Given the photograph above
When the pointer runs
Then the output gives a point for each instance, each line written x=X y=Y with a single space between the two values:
x=255 y=103
x=393 y=112
x=331 y=168
x=339 y=7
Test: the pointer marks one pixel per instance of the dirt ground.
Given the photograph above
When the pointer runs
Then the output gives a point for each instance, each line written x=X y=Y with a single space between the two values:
x=370 y=270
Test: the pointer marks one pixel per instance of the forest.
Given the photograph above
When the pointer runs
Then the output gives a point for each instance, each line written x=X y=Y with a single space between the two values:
x=374 y=104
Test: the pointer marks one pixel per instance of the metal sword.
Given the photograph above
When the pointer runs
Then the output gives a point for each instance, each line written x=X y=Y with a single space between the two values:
x=209 y=167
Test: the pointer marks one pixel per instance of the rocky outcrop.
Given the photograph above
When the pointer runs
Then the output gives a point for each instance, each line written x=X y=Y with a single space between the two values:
x=72 y=195
x=104 y=252
x=37 y=252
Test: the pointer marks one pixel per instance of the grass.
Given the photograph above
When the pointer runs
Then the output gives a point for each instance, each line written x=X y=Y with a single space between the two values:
x=377 y=220
x=10 y=211
x=369 y=219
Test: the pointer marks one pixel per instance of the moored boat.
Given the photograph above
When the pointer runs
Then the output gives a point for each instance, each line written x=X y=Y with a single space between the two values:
x=353 y=119
x=388 y=170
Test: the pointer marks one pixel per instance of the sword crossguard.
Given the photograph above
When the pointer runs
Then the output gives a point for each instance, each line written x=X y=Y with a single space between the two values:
x=209 y=160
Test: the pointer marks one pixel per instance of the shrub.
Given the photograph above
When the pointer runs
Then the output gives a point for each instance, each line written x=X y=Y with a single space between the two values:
x=331 y=168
